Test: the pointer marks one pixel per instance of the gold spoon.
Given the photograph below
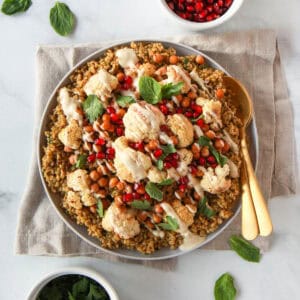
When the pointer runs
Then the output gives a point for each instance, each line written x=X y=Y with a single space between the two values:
x=259 y=213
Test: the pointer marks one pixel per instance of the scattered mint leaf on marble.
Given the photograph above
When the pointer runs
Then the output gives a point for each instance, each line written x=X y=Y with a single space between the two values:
x=11 y=7
x=224 y=288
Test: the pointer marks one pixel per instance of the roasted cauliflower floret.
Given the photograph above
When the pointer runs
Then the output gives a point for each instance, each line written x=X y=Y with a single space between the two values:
x=211 y=111
x=186 y=157
x=182 y=128
x=215 y=181
x=183 y=212
x=148 y=69
x=88 y=199
x=130 y=165
x=121 y=222
x=142 y=122
x=101 y=84
x=155 y=175
x=78 y=180
x=176 y=74
x=73 y=199
x=71 y=135
x=126 y=57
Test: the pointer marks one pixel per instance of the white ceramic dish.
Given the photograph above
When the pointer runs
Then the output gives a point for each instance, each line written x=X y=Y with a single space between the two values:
x=55 y=199
x=73 y=271
x=197 y=26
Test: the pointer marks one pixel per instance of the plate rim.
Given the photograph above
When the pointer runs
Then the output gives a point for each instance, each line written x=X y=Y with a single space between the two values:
x=66 y=219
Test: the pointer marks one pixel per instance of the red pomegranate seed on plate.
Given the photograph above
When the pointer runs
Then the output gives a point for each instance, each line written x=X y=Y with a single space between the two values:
x=210 y=1
x=183 y=180
x=100 y=141
x=209 y=18
x=182 y=187
x=100 y=155
x=202 y=161
x=128 y=80
x=210 y=8
x=203 y=14
x=114 y=117
x=188 y=114
x=164 y=109
x=220 y=3
x=179 y=110
x=194 y=170
x=119 y=131
x=190 y=8
x=197 y=108
x=228 y=3
x=211 y=159
x=91 y=158
x=110 y=110
x=167 y=165
x=174 y=163
x=139 y=146
x=127 y=197
x=171 y=5
x=200 y=123
x=214 y=165
x=157 y=153
x=199 y=6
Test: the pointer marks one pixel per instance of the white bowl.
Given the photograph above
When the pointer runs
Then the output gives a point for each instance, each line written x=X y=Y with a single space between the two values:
x=73 y=271
x=235 y=6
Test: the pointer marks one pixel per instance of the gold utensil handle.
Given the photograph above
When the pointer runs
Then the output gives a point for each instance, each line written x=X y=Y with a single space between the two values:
x=261 y=209
x=249 y=220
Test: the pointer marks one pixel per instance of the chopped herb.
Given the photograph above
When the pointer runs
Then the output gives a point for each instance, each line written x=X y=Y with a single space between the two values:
x=11 y=7
x=124 y=101
x=244 y=248
x=160 y=164
x=196 y=119
x=153 y=191
x=170 y=89
x=150 y=89
x=62 y=19
x=224 y=288
x=93 y=108
x=141 y=204
x=185 y=61
x=203 y=208
x=153 y=92
x=168 y=181
x=100 y=210
x=171 y=224
x=205 y=141
x=81 y=161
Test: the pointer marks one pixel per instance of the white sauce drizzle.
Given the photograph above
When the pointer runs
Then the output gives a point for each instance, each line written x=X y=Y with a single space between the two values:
x=190 y=240
x=69 y=106
x=230 y=141
x=234 y=171
x=128 y=93
x=88 y=137
x=195 y=183
x=198 y=131
x=165 y=138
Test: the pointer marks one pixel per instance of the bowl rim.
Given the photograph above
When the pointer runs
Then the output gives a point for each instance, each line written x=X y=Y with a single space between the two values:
x=66 y=219
x=232 y=10
x=84 y=271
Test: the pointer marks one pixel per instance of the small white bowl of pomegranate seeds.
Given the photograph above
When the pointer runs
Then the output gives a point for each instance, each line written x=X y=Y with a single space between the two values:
x=201 y=14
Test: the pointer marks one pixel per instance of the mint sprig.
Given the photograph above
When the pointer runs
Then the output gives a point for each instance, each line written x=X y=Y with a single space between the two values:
x=93 y=108
x=224 y=288
x=124 y=101
x=203 y=209
x=153 y=191
x=141 y=204
x=170 y=224
x=167 y=149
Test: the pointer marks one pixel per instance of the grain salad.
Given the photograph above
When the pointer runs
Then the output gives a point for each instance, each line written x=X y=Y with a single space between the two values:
x=143 y=147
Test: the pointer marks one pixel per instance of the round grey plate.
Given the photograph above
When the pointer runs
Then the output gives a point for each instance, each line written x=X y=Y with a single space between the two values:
x=55 y=199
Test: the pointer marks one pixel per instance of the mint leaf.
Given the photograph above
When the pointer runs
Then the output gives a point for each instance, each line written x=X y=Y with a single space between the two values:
x=10 y=7
x=96 y=293
x=81 y=161
x=171 y=224
x=62 y=19
x=167 y=149
x=80 y=287
x=124 y=101
x=205 y=141
x=93 y=108
x=70 y=296
x=150 y=89
x=168 y=181
x=244 y=248
x=140 y=204
x=224 y=288
x=153 y=191
x=100 y=210
x=170 y=89
x=160 y=164
x=203 y=209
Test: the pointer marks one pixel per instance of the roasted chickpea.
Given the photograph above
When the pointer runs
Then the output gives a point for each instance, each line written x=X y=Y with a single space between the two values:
x=174 y=140
x=67 y=149
x=106 y=125
x=192 y=95
x=142 y=216
x=219 y=144
x=219 y=93
x=173 y=59
x=157 y=58
x=152 y=145
x=120 y=186
x=185 y=102
x=95 y=187
x=205 y=151
x=156 y=218
x=120 y=76
x=200 y=59
x=102 y=193
x=106 y=118
x=158 y=209
x=226 y=147
x=210 y=134
x=113 y=182
x=88 y=128
x=121 y=112
x=103 y=182
x=179 y=98
x=94 y=175
x=149 y=224
x=141 y=190
x=72 y=159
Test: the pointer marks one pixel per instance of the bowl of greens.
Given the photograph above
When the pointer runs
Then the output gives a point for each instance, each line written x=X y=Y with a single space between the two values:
x=73 y=284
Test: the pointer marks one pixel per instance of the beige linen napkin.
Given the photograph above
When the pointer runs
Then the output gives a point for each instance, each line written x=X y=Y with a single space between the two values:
x=252 y=57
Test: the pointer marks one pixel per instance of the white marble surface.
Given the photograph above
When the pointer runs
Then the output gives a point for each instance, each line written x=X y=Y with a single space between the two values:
x=276 y=277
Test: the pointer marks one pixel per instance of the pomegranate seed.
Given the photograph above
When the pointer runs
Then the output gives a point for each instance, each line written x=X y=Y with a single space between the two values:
x=127 y=197
x=164 y=128
x=137 y=186
x=196 y=114
x=194 y=170
x=110 y=153
x=100 y=141
x=197 y=108
x=128 y=80
x=125 y=86
x=174 y=163
x=157 y=153
x=167 y=165
x=209 y=18
x=139 y=146
x=182 y=187
x=110 y=110
x=199 y=6
x=210 y=8
x=171 y=5
x=203 y=14
x=179 y=110
x=228 y=3
x=200 y=123
x=220 y=3
x=119 y=131
x=164 y=109
x=202 y=161
x=214 y=165
x=100 y=155
x=146 y=196
x=114 y=117
x=175 y=156
x=188 y=114
x=136 y=195
x=180 y=6
x=183 y=180
x=190 y=1
x=91 y=158
x=210 y=1
x=190 y=8
x=119 y=122
x=211 y=159
x=183 y=15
